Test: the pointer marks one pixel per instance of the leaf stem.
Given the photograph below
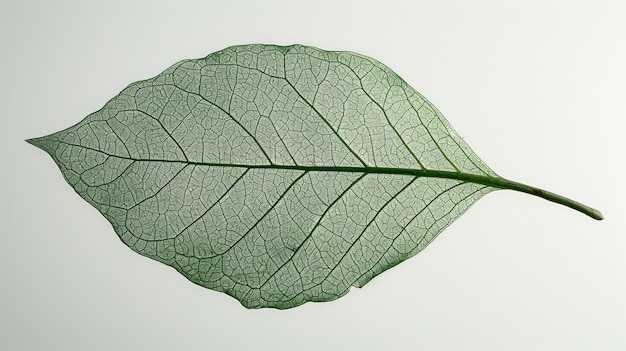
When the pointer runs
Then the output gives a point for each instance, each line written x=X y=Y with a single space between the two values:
x=550 y=196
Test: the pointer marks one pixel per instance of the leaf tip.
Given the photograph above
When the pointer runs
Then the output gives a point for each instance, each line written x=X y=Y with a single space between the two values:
x=33 y=141
x=42 y=142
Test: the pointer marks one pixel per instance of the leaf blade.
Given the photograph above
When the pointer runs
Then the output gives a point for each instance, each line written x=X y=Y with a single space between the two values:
x=278 y=175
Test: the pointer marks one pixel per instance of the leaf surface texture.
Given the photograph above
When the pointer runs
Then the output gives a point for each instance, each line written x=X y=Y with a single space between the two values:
x=278 y=175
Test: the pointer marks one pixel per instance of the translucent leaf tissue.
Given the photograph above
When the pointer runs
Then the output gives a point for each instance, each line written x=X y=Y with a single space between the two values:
x=276 y=174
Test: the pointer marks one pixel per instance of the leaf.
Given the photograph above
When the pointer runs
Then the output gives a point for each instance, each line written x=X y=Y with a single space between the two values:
x=278 y=175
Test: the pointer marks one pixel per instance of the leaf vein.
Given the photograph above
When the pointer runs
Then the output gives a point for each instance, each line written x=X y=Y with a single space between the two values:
x=317 y=224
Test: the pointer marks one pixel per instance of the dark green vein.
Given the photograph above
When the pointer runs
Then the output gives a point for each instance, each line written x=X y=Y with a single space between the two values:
x=496 y=182
x=230 y=116
x=379 y=211
x=161 y=188
x=385 y=114
x=130 y=164
x=404 y=228
x=321 y=116
x=436 y=220
x=317 y=224
x=280 y=198
x=213 y=204
x=453 y=138
x=428 y=129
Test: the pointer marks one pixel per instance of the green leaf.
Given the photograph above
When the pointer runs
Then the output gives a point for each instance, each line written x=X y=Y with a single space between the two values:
x=278 y=175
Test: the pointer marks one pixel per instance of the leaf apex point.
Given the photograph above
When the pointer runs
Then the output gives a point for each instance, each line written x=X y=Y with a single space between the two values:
x=38 y=142
x=33 y=141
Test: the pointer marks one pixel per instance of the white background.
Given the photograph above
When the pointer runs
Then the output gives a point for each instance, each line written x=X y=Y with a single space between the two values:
x=538 y=89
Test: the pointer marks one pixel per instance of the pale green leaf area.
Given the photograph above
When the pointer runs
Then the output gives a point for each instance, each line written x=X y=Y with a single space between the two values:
x=278 y=175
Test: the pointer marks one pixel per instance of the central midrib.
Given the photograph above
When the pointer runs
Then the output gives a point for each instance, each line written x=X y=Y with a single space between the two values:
x=496 y=182
x=492 y=181
x=427 y=173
